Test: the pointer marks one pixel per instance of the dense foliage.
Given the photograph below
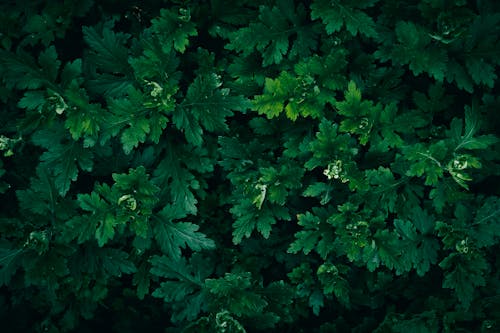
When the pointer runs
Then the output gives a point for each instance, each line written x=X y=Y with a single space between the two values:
x=250 y=166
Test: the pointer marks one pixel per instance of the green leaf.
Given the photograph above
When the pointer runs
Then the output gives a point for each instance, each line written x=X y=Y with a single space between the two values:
x=328 y=140
x=418 y=252
x=83 y=119
x=71 y=71
x=329 y=71
x=333 y=282
x=157 y=64
x=9 y=263
x=206 y=106
x=384 y=188
x=33 y=100
x=135 y=134
x=421 y=323
x=317 y=235
x=105 y=230
x=41 y=27
x=337 y=14
x=108 y=55
x=271 y=32
x=135 y=120
x=234 y=292
x=136 y=181
x=457 y=73
x=414 y=48
x=41 y=196
x=116 y=262
x=3 y=185
x=271 y=103
x=297 y=95
x=316 y=301
x=172 y=236
x=62 y=159
x=189 y=125
x=390 y=130
x=182 y=287
x=248 y=218
x=321 y=190
x=307 y=239
x=176 y=182
x=390 y=251
x=360 y=116
x=174 y=29
x=445 y=193
x=481 y=71
x=435 y=101
x=278 y=183
x=422 y=220
x=108 y=50
x=20 y=70
x=426 y=161
x=142 y=280
x=463 y=274
x=81 y=228
x=467 y=140
x=486 y=225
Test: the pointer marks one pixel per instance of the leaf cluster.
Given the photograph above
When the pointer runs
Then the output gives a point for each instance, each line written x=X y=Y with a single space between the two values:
x=195 y=166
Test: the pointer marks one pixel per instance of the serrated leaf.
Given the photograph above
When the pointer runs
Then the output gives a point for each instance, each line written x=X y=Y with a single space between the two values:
x=306 y=240
x=81 y=228
x=414 y=48
x=115 y=262
x=135 y=134
x=384 y=188
x=71 y=71
x=206 y=106
x=334 y=283
x=136 y=122
x=105 y=230
x=108 y=50
x=321 y=190
x=32 y=100
x=418 y=251
x=481 y=71
x=422 y=220
x=337 y=14
x=20 y=70
x=256 y=36
x=457 y=73
x=83 y=119
x=62 y=158
x=486 y=225
x=41 y=196
x=468 y=140
x=142 y=280
x=316 y=301
x=235 y=293
x=172 y=237
x=174 y=30
x=249 y=218
x=183 y=284
x=176 y=181
x=9 y=264
x=463 y=274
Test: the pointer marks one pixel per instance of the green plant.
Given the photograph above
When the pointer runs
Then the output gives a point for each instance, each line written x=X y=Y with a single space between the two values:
x=291 y=166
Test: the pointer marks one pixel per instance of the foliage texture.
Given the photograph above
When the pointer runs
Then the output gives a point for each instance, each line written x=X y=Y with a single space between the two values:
x=260 y=166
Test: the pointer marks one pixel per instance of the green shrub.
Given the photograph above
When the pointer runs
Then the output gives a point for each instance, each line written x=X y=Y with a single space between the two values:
x=270 y=166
